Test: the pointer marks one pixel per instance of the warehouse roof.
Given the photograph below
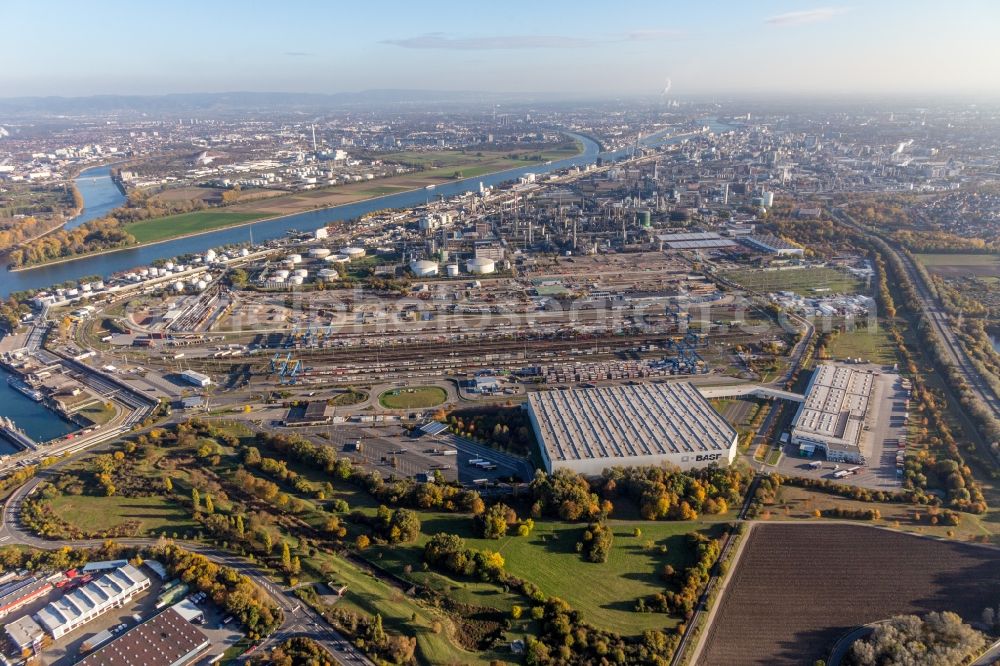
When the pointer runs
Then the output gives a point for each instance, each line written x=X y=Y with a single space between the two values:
x=164 y=640
x=619 y=422
x=835 y=406
x=104 y=591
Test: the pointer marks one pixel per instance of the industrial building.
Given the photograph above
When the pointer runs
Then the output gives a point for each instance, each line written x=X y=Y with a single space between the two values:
x=589 y=430
x=24 y=634
x=16 y=594
x=315 y=413
x=772 y=245
x=112 y=590
x=166 y=639
x=832 y=417
x=694 y=240
x=196 y=378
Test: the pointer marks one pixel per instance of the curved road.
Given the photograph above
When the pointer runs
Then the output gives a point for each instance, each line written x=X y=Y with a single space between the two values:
x=299 y=619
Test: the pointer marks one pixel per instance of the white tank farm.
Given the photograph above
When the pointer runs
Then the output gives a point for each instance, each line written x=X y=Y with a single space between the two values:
x=481 y=266
x=319 y=253
x=424 y=268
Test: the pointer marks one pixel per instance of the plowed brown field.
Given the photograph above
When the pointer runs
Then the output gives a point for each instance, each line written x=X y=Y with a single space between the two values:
x=798 y=588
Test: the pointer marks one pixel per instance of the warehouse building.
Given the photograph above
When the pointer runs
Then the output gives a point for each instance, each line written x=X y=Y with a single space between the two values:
x=16 y=594
x=196 y=378
x=166 y=639
x=589 y=430
x=112 y=590
x=831 y=420
x=772 y=245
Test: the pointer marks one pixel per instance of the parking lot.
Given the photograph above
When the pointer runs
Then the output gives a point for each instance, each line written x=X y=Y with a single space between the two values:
x=885 y=428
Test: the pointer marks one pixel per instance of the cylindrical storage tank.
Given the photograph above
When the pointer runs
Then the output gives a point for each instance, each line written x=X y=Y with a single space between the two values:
x=338 y=259
x=178 y=286
x=444 y=256
x=201 y=285
x=329 y=273
x=144 y=272
x=210 y=256
x=169 y=265
x=295 y=279
x=319 y=253
x=278 y=278
x=294 y=258
x=481 y=266
x=244 y=252
x=301 y=272
x=353 y=252
x=452 y=270
x=282 y=273
x=645 y=218
x=424 y=268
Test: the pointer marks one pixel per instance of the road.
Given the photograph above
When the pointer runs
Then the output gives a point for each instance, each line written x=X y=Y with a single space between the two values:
x=299 y=619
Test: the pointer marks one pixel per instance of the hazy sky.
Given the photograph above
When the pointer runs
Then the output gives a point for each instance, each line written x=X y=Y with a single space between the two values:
x=69 y=47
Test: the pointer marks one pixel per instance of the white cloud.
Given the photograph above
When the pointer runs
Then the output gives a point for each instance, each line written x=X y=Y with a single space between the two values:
x=807 y=16
x=439 y=40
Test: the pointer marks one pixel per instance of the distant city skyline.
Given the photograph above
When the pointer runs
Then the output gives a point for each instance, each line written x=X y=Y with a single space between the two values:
x=62 y=48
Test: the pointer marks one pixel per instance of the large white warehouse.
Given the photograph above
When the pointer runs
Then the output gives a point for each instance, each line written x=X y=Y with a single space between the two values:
x=589 y=430
x=832 y=418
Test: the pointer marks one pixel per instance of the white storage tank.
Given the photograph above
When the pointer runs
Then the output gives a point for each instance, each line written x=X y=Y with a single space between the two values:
x=338 y=259
x=353 y=252
x=282 y=274
x=301 y=272
x=481 y=266
x=169 y=265
x=202 y=284
x=295 y=279
x=144 y=272
x=178 y=286
x=294 y=259
x=210 y=256
x=319 y=253
x=329 y=273
x=452 y=270
x=424 y=268
x=244 y=252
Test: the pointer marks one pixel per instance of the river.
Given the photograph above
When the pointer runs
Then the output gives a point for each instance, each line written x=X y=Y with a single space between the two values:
x=123 y=260
x=35 y=419
x=100 y=195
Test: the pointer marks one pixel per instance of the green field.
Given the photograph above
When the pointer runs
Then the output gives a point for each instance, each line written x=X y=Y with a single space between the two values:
x=369 y=596
x=348 y=398
x=100 y=413
x=96 y=514
x=417 y=397
x=149 y=231
x=803 y=281
x=862 y=343
x=605 y=594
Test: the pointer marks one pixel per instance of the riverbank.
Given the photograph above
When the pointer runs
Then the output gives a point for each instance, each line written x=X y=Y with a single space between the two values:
x=348 y=200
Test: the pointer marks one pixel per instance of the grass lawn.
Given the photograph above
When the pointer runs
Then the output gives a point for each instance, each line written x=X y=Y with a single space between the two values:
x=348 y=398
x=96 y=514
x=605 y=594
x=413 y=398
x=369 y=595
x=100 y=413
x=149 y=231
x=862 y=343
x=803 y=281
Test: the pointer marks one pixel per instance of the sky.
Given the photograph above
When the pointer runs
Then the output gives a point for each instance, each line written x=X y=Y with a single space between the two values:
x=578 y=48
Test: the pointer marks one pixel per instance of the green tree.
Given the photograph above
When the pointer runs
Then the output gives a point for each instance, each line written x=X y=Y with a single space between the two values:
x=195 y=500
x=209 y=505
x=168 y=485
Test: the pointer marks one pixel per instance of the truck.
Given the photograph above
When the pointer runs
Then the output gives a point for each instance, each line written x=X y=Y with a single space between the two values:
x=475 y=461
x=354 y=446
x=815 y=464
x=840 y=474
